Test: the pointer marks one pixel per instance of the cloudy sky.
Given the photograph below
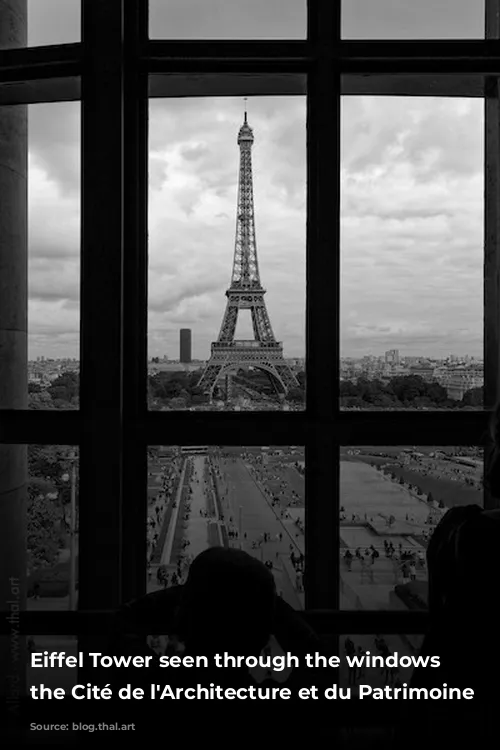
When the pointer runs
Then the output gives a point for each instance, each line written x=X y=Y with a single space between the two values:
x=412 y=194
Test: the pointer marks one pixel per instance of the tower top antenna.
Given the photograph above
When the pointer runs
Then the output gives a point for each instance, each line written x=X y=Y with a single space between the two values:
x=245 y=100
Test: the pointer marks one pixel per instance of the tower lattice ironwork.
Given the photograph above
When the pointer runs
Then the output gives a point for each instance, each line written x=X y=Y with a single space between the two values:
x=246 y=293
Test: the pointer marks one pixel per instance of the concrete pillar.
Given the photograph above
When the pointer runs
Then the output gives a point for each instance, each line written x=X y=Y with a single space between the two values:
x=13 y=362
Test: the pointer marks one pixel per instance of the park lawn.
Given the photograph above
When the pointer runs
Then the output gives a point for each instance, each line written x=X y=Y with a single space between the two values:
x=450 y=492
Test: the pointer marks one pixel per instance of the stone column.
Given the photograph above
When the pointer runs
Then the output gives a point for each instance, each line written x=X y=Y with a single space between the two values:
x=13 y=361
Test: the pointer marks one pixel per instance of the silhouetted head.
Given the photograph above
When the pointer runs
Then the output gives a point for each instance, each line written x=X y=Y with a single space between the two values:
x=228 y=603
x=462 y=558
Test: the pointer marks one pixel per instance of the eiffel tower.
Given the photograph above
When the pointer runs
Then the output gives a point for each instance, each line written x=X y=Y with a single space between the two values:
x=246 y=293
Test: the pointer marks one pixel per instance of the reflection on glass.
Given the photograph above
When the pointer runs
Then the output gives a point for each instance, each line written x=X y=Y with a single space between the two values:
x=218 y=19
x=406 y=19
x=250 y=498
x=412 y=253
x=391 y=501
x=226 y=313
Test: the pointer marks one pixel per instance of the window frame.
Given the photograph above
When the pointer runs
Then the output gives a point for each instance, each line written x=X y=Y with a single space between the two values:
x=111 y=70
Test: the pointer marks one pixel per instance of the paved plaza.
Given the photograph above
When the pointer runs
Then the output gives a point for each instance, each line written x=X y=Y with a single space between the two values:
x=370 y=499
x=241 y=489
x=246 y=487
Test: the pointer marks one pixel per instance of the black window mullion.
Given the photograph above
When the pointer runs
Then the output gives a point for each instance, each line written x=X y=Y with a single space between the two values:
x=492 y=233
x=101 y=305
x=322 y=317
x=134 y=511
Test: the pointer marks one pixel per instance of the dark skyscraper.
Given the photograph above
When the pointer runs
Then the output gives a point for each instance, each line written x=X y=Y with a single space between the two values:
x=185 y=342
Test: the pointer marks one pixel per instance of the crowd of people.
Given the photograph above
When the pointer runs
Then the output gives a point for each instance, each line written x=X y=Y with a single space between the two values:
x=406 y=561
x=167 y=481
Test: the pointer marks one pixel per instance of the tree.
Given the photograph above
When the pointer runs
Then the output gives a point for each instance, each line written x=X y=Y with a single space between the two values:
x=473 y=397
x=40 y=400
x=430 y=499
x=44 y=525
x=296 y=395
x=65 y=387
x=178 y=403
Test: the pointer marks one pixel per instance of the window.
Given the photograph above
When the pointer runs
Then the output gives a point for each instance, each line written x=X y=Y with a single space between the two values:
x=216 y=19
x=244 y=497
x=224 y=333
x=404 y=19
x=41 y=174
x=114 y=72
x=412 y=253
x=53 y=22
x=391 y=500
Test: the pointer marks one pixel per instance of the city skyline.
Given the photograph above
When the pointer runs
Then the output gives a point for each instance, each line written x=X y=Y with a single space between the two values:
x=411 y=215
x=455 y=356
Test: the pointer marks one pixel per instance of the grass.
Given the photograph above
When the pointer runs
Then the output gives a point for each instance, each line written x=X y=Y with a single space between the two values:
x=451 y=493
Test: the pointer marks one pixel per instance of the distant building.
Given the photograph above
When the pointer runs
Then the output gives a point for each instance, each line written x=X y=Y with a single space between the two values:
x=185 y=346
x=392 y=357
x=424 y=370
x=461 y=379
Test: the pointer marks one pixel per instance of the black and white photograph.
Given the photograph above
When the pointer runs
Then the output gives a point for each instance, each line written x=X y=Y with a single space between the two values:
x=250 y=372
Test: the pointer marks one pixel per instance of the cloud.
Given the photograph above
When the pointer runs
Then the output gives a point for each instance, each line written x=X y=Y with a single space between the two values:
x=412 y=195
x=54 y=22
x=218 y=19
x=54 y=143
x=407 y=19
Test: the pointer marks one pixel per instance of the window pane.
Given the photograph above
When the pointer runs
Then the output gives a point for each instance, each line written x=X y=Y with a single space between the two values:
x=357 y=646
x=54 y=256
x=52 y=530
x=40 y=248
x=216 y=339
x=392 y=498
x=406 y=19
x=412 y=253
x=39 y=531
x=53 y=22
x=200 y=497
x=218 y=19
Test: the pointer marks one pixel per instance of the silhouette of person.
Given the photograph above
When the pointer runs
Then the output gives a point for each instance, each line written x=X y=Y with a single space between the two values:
x=228 y=604
x=462 y=560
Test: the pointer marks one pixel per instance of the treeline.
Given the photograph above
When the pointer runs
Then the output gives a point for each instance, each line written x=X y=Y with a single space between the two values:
x=404 y=392
x=179 y=390
x=62 y=393
x=48 y=499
